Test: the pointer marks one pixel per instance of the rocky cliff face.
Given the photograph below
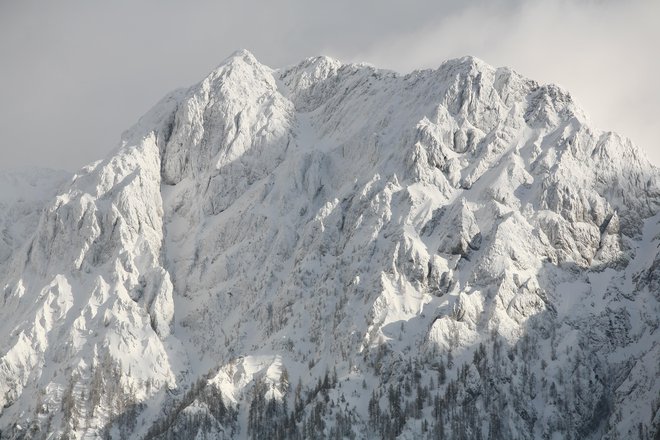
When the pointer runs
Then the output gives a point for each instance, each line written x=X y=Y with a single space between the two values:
x=333 y=250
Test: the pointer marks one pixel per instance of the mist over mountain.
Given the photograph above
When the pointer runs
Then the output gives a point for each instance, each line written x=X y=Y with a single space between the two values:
x=331 y=250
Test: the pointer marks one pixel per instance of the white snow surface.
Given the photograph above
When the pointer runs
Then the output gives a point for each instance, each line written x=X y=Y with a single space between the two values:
x=302 y=219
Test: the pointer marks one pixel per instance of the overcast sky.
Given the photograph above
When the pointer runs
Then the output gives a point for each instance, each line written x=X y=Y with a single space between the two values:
x=75 y=74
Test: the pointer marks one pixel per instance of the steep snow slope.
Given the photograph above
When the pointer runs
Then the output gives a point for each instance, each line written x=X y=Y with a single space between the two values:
x=23 y=193
x=337 y=250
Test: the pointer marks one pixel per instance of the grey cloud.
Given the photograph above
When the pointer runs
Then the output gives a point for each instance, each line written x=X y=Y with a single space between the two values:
x=75 y=74
x=602 y=52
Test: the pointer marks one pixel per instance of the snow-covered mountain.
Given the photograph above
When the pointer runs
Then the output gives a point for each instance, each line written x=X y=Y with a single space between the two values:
x=333 y=250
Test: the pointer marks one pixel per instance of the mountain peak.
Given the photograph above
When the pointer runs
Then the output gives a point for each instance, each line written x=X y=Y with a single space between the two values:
x=241 y=64
x=241 y=55
x=468 y=62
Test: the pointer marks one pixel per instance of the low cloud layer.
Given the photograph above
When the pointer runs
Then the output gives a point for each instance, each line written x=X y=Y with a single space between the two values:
x=75 y=74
